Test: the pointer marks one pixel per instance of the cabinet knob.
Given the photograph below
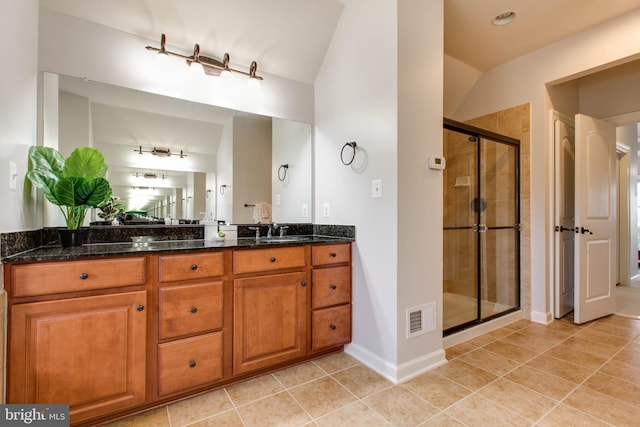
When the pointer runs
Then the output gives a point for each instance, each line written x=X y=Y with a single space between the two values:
x=194 y=266
x=333 y=254
x=273 y=259
x=192 y=364
x=194 y=309
x=84 y=276
x=333 y=327
x=303 y=283
x=140 y=307
x=334 y=287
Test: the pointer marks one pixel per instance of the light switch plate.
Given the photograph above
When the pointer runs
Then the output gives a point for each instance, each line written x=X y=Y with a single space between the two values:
x=325 y=210
x=376 y=189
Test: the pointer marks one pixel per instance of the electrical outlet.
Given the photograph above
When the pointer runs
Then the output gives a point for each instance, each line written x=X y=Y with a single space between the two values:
x=376 y=188
x=305 y=210
x=325 y=210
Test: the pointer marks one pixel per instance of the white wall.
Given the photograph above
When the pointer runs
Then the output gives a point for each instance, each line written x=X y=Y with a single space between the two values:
x=224 y=197
x=357 y=99
x=523 y=80
x=291 y=145
x=18 y=110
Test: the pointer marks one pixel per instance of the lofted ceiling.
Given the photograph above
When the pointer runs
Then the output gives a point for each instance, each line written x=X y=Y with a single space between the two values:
x=289 y=37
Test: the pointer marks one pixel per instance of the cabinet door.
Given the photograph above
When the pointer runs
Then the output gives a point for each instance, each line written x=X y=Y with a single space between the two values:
x=269 y=320
x=87 y=352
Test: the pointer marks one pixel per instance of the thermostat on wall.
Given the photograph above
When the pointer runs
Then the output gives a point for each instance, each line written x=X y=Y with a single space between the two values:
x=437 y=163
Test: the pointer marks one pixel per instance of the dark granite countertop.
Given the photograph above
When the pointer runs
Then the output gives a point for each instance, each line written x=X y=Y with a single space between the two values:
x=98 y=250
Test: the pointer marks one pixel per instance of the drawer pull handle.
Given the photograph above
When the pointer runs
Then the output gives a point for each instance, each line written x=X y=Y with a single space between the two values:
x=194 y=309
x=303 y=283
x=84 y=276
x=333 y=254
x=192 y=364
x=333 y=327
x=194 y=266
x=273 y=259
x=334 y=287
x=140 y=307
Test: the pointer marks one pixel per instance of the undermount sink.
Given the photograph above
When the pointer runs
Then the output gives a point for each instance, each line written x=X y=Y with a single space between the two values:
x=282 y=239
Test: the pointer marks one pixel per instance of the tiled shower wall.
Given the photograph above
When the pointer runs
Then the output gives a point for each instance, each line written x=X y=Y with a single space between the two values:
x=460 y=262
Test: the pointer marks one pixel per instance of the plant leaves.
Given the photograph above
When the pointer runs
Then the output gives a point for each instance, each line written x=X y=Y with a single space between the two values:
x=85 y=162
x=45 y=182
x=46 y=159
x=77 y=191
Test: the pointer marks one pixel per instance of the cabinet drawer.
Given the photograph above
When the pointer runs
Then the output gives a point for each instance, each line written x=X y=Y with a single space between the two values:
x=189 y=363
x=255 y=260
x=330 y=286
x=72 y=276
x=190 y=309
x=330 y=254
x=190 y=266
x=331 y=326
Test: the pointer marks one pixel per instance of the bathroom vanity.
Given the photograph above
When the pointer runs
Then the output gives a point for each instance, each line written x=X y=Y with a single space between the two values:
x=118 y=329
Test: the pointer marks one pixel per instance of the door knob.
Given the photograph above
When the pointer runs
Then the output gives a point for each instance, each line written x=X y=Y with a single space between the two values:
x=584 y=230
x=561 y=229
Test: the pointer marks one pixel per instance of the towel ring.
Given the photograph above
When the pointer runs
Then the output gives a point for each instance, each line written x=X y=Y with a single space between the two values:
x=282 y=171
x=222 y=189
x=351 y=144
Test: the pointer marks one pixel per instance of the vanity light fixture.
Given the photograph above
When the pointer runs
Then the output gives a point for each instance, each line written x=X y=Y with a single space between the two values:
x=161 y=152
x=149 y=175
x=211 y=66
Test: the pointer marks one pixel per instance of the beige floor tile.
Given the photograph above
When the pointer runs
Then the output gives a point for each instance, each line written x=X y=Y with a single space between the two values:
x=560 y=368
x=155 y=418
x=226 y=419
x=436 y=389
x=622 y=390
x=499 y=333
x=322 y=396
x=517 y=398
x=518 y=324
x=478 y=411
x=535 y=343
x=539 y=330
x=276 y=410
x=598 y=337
x=622 y=371
x=628 y=356
x=465 y=374
x=575 y=356
x=254 y=389
x=489 y=361
x=566 y=416
x=336 y=362
x=603 y=407
x=401 y=407
x=569 y=328
x=442 y=420
x=619 y=330
x=550 y=386
x=354 y=415
x=459 y=349
x=362 y=381
x=511 y=351
x=199 y=407
x=587 y=346
x=299 y=374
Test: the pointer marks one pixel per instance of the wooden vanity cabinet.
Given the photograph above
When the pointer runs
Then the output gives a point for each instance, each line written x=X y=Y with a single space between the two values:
x=72 y=342
x=190 y=351
x=270 y=307
x=330 y=296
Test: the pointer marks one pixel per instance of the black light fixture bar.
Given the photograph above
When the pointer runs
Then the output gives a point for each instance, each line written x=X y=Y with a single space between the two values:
x=211 y=66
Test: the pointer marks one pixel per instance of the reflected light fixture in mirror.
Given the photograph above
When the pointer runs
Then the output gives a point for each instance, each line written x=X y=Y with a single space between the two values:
x=210 y=66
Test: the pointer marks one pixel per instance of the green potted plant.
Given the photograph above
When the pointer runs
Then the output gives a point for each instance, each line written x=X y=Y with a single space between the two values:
x=74 y=184
x=110 y=208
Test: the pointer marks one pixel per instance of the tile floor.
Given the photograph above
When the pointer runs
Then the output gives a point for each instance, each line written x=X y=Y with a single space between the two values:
x=523 y=374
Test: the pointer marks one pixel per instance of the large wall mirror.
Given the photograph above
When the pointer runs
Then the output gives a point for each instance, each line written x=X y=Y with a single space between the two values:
x=174 y=158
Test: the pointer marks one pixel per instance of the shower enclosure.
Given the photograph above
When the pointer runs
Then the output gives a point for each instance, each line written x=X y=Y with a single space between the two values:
x=481 y=226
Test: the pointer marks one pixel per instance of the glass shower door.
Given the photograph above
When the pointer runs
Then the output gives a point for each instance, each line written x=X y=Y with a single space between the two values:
x=481 y=277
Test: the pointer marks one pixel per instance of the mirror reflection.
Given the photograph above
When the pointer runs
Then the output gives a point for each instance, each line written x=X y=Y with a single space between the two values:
x=171 y=158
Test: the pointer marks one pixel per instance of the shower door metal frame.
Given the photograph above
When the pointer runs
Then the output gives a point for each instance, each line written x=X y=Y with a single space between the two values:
x=479 y=134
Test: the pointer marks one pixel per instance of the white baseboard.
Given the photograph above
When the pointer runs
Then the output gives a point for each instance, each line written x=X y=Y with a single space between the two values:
x=397 y=374
x=540 y=317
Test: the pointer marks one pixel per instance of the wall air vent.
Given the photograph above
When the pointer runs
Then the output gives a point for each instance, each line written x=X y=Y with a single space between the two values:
x=421 y=319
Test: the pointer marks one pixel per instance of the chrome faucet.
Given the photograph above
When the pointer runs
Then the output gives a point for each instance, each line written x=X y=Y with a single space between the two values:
x=257 y=231
x=273 y=228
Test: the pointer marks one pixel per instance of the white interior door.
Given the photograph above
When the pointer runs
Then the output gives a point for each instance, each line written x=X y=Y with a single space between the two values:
x=595 y=224
x=565 y=217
